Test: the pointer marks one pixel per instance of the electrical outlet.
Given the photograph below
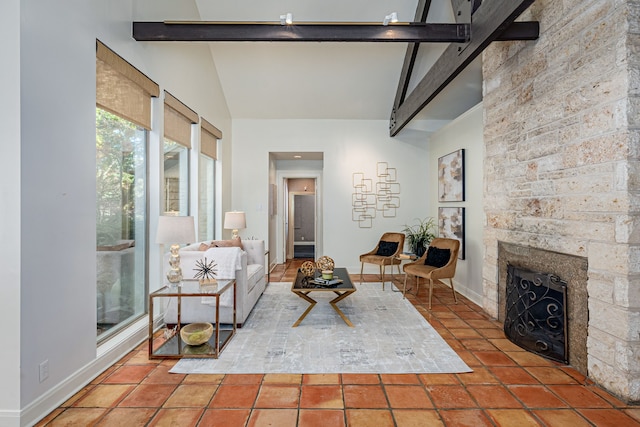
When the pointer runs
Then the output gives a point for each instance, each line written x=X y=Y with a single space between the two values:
x=44 y=370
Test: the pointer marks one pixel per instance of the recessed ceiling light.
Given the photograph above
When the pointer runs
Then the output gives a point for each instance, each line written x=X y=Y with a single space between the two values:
x=297 y=156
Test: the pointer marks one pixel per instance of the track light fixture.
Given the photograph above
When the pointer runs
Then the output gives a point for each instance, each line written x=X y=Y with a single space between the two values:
x=392 y=17
x=286 y=19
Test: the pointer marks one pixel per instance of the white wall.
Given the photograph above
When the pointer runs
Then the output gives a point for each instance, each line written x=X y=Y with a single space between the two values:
x=348 y=146
x=464 y=132
x=10 y=184
x=52 y=204
x=58 y=310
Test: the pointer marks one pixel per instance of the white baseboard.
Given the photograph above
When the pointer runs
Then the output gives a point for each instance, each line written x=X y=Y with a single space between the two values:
x=469 y=294
x=106 y=355
x=9 y=418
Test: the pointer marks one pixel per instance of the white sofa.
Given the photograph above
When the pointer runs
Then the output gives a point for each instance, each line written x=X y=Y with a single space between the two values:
x=250 y=275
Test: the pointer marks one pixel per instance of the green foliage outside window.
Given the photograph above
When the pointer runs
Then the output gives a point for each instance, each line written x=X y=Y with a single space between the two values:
x=116 y=164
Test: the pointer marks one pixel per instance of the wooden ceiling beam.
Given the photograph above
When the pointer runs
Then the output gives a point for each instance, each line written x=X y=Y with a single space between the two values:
x=413 y=32
x=410 y=55
x=521 y=30
x=490 y=20
x=299 y=32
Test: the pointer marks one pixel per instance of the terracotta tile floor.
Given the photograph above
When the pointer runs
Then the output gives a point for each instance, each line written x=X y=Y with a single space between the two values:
x=509 y=387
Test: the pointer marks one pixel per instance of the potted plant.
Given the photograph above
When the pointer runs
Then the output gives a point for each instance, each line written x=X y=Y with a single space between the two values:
x=420 y=235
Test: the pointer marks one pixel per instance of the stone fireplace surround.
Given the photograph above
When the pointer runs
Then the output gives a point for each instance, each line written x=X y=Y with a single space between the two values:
x=562 y=165
x=573 y=270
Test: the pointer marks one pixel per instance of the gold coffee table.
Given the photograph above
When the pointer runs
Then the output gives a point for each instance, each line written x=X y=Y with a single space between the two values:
x=303 y=286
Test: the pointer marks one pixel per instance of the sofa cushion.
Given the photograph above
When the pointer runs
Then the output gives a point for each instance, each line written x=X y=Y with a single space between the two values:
x=437 y=257
x=254 y=272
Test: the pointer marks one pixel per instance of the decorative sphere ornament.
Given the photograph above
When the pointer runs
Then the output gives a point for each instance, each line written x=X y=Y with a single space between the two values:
x=308 y=268
x=325 y=263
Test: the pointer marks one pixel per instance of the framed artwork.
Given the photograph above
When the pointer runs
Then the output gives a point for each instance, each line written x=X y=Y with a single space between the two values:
x=451 y=177
x=451 y=225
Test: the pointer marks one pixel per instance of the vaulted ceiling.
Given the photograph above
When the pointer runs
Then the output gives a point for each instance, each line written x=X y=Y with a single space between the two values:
x=333 y=80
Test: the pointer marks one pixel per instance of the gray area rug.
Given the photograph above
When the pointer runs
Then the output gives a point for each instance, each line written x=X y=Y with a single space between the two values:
x=389 y=336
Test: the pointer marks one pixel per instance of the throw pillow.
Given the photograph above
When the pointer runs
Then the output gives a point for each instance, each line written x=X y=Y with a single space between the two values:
x=226 y=243
x=237 y=242
x=386 y=248
x=221 y=244
x=437 y=257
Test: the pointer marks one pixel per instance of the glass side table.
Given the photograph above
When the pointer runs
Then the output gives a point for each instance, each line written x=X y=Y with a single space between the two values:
x=170 y=345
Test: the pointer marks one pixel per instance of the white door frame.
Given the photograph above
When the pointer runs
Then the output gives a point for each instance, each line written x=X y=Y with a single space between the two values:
x=281 y=176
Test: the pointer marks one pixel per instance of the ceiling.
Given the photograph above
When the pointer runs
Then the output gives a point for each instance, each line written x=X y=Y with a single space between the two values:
x=330 y=80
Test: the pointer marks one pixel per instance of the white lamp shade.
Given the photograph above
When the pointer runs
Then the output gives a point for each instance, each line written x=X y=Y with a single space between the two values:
x=235 y=220
x=176 y=229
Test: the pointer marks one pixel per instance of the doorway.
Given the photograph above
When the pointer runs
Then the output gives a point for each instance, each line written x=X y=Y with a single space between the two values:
x=292 y=175
x=300 y=221
x=302 y=225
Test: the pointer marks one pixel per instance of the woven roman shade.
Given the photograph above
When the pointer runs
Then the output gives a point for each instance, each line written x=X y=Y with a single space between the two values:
x=209 y=136
x=122 y=89
x=178 y=119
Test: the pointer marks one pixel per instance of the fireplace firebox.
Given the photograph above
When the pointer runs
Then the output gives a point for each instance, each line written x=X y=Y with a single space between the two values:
x=536 y=318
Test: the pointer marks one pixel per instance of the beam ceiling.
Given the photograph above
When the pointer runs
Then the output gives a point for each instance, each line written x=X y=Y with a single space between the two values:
x=477 y=24
x=412 y=32
x=489 y=21
x=411 y=54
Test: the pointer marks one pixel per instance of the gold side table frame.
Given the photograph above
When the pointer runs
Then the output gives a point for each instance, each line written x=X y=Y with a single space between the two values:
x=174 y=347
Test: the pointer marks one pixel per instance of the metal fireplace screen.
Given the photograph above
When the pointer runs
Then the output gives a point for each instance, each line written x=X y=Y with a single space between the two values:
x=536 y=318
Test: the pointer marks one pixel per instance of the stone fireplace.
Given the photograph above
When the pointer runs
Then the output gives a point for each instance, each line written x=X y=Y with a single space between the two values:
x=561 y=167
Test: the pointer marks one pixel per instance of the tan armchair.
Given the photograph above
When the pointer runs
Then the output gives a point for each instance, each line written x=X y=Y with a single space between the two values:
x=384 y=253
x=419 y=269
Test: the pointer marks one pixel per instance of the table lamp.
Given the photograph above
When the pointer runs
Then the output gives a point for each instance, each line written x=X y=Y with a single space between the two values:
x=174 y=230
x=233 y=221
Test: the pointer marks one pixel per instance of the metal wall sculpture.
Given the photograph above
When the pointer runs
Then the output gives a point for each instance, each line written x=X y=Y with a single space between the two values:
x=369 y=198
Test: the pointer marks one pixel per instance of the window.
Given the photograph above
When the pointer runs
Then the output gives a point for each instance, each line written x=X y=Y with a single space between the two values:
x=176 y=179
x=209 y=135
x=178 y=119
x=123 y=117
x=120 y=220
x=206 y=198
